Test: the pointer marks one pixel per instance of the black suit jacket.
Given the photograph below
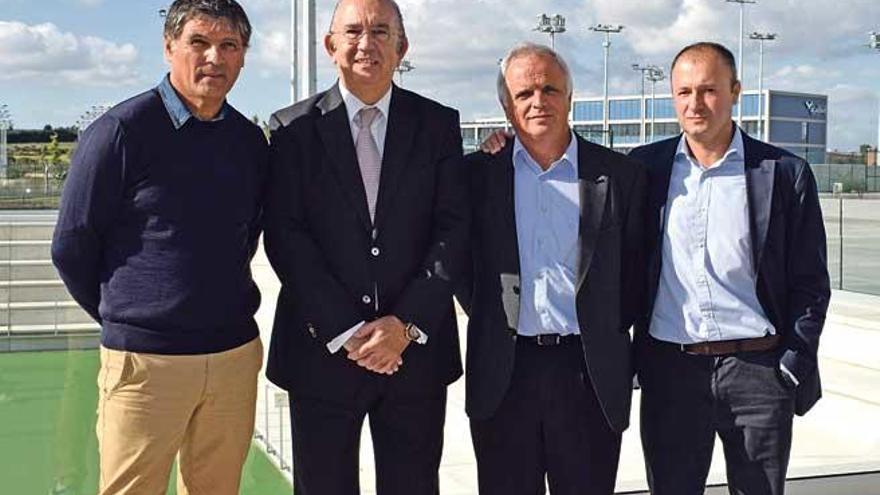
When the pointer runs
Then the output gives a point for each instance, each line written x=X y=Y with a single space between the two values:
x=788 y=249
x=612 y=197
x=336 y=268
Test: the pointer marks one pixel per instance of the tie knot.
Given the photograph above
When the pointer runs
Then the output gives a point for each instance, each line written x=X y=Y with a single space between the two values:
x=366 y=116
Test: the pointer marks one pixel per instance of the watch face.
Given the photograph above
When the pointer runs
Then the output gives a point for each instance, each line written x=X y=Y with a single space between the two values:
x=412 y=332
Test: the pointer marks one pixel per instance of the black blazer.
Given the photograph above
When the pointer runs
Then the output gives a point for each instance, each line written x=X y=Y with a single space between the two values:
x=336 y=268
x=788 y=249
x=612 y=197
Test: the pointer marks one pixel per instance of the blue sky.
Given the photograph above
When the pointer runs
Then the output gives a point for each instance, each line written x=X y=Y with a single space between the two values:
x=60 y=57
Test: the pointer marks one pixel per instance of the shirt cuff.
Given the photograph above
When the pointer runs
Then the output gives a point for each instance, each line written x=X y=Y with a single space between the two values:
x=789 y=374
x=334 y=345
x=423 y=337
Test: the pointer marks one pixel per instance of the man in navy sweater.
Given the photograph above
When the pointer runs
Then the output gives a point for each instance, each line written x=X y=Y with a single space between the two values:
x=158 y=223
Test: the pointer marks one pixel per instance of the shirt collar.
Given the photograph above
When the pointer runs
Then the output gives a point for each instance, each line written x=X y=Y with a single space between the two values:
x=177 y=110
x=567 y=161
x=353 y=104
x=734 y=150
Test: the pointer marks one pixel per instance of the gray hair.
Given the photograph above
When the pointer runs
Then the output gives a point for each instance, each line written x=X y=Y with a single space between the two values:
x=397 y=13
x=182 y=11
x=523 y=50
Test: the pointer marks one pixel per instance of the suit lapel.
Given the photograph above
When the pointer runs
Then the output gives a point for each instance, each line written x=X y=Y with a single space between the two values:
x=399 y=138
x=593 y=188
x=335 y=132
x=659 y=173
x=759 y=187
x=502 y=193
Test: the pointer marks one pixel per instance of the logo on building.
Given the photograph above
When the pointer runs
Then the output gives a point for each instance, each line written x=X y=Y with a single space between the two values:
x=815 y=108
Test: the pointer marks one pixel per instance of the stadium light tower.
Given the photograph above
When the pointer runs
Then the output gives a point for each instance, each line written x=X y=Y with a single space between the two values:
x=5 y=124
x=551 y=25
x=875 y=44
x=303 y=62
x=644 y=70
x=608 y=29
x=761 y=38
x=739 y=57
x=655 y=75
x=404 y=67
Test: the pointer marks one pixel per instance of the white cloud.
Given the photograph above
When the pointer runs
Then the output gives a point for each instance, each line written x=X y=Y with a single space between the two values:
x=44 y=51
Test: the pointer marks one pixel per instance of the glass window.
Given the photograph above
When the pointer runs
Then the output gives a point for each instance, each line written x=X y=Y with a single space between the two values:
x=665 y=108
x=592 y=133
x=625 y=134
x=797 y=132
x=587 y=110
x=625 y=109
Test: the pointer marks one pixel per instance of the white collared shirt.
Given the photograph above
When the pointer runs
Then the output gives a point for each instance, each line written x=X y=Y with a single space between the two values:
x=379 y=127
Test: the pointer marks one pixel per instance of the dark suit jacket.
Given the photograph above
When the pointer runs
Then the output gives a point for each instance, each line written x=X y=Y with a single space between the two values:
x=788 y=244
x=336 y=268
x=612 y=196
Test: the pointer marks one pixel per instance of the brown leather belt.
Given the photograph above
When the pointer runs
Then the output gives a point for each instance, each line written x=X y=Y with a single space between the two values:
x=722 y=347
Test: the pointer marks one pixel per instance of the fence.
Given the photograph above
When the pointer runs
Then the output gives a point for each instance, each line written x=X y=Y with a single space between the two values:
x=853 y=178
x=852 y=227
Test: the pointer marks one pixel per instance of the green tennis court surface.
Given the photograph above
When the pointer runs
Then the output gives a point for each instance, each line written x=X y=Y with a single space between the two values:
x=47 y=428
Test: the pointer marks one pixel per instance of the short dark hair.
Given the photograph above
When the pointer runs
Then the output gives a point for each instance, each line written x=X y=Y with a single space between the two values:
x=723 y=53
x=182 y=11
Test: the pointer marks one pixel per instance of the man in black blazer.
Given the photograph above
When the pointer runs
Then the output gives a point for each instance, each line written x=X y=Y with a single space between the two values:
x=737 y=291
x=554 y=289
x=367 y=222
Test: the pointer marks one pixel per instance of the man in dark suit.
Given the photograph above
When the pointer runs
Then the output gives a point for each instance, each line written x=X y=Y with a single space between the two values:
x=367 y=223
x=557 y=238
x=737 y=291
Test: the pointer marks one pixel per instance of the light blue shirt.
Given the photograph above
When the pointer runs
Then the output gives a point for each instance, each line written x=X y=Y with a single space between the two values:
x=177 y=110
x=707 y=281
x=547 y=207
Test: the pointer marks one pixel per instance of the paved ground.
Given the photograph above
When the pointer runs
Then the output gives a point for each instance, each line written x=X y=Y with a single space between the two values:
x=839 y=435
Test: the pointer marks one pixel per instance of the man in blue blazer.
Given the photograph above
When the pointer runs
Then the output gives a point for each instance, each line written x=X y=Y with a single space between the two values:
x=737 y=291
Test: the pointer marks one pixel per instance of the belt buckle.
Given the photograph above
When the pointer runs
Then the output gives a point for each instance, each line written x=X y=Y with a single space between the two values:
x=548 y=339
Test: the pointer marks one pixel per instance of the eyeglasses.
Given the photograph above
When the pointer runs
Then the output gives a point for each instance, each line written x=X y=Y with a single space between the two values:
x=354 y=34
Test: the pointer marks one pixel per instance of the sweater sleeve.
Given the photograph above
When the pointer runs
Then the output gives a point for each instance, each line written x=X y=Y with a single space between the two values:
x=92 y=194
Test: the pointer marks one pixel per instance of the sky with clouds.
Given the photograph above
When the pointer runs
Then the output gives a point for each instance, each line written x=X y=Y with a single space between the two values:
x=60 y=57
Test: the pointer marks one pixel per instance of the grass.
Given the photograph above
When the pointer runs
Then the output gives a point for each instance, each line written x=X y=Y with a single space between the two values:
x=47 y=427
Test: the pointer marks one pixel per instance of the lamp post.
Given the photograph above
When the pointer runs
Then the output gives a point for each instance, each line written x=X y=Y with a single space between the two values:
x=303 y=72
x=644 y=70
x=404 y=67
x=608 y=29
x=654 y=75
x=761 y=38
x=874 y=43
x=551 y=25
x=5 y=124
x=742 y=9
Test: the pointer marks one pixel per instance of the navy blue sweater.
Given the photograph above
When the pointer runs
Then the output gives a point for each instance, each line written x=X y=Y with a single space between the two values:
x=158 y=225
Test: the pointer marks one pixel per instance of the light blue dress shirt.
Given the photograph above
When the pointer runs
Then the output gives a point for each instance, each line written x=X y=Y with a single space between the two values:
x=707 y=289
x=177 y=110
x=547 y=208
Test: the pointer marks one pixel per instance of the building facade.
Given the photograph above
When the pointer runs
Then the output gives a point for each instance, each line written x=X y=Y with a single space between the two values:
x=796 y=122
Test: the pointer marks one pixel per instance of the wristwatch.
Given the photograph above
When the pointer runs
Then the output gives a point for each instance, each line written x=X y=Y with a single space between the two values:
x=411 y=332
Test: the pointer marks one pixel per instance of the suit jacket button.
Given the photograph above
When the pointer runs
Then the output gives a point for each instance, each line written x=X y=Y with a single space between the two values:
x=366 y=299
x=374 y=251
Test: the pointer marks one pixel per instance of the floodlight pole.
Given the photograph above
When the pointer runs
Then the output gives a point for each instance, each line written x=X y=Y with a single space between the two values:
x=742 y=9
x=551 y=25
x=608 y=29
x=761 y=38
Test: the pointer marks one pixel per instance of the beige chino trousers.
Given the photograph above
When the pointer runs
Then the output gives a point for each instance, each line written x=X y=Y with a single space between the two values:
x=199 y=408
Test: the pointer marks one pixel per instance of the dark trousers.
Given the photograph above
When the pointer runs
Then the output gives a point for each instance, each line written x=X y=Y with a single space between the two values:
x=549 y=425
x=407 y=434
x=687 y=399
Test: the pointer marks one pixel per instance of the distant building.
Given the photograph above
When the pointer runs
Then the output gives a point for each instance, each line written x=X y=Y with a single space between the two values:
x=797 y=122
